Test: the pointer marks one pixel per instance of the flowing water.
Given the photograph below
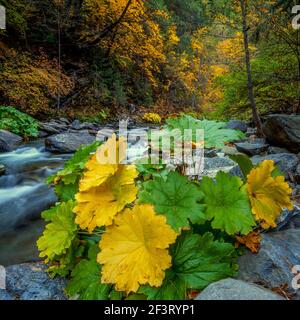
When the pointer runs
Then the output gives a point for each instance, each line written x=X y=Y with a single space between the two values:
x=23 y=195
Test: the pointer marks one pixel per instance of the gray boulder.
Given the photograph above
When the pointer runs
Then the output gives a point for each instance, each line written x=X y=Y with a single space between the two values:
x=252 y=148
x=231 y=289
x=9 y=141
x=30 y=281
x=272 y=265
x=68 y=142
x=237 y=125
x=52 y=127
x=283 y=131
x=274 y=150
x=287 y=162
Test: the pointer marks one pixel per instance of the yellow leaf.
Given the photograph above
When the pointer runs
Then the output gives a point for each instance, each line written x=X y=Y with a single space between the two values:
x=268 y=195
x=104 y=164
x=134 y=251
x=98 y=206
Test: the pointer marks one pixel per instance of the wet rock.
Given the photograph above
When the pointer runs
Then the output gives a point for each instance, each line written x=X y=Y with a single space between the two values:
x=2 y=170
x=43 y=134
x=213 y=165
x=287 y=162
x=52 y=127
x=30 y=281
x=274 y=150
x=252 y=148
x=237 y=125
x=229 y=150
x=76 y=125
x=232 y=289
x=283 y=131
x=68 y=142
x=8 y=141
x=4 y=295
x=272 y=265
x=210 y=153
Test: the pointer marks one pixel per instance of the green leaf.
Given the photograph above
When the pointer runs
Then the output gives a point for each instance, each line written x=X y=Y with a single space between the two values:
x=176 y=198
x=277 y=172
x=86 y=281
x=66 y=192
x=69 y=177
x=244 y=163
x=215 y=134
x=173 y=288
x=64 y=264
x=59 y=233
x=197 y=262
x=227 y=204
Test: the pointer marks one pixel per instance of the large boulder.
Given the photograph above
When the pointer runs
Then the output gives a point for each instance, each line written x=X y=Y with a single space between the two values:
x=231 y=289
x=252 y=148
x=30 y=281
x=237 y=125
x=8 y=141
x=68 y=142
x=287 y=162
x=273 y=265
x=283 y=131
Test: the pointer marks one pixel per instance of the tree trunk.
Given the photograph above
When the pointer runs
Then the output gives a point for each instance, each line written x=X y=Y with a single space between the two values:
x=256 y=117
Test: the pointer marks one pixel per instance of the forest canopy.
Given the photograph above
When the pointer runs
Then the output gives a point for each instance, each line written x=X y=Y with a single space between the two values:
x=84 y=56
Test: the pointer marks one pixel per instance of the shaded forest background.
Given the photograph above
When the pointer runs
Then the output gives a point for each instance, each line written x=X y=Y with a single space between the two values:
x=85 y=57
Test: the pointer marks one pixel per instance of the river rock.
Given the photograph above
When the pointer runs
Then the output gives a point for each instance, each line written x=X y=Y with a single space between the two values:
x=274 y=150
x=30 y=281
x=237 y=125
x=283 y=131
x=272 y=265
x=68 y=142
x=213 y=165
x=232 y=289
x=252 y=148
x=230 y=150
x=76 y=124
x=287 y=162
x=8 y=141
x=52 y=127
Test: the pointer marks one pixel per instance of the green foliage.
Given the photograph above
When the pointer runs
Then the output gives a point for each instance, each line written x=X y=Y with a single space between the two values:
x=66 y=180
x=214 y=133
x=197 y=262
x=227 y=204
x=244 y=163
x=18 y=122
x=85 y=279
x=59 y=233
x=176 y=198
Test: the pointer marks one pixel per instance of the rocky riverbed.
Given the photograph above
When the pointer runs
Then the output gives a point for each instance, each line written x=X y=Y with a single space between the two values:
x=23 y=195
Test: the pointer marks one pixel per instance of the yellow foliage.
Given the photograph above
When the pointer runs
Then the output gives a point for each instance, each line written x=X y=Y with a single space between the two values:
x=268 y=195
x=30 y=83
x=143 y=256
x=137 y=39
x=105 y=188
x=152 y=117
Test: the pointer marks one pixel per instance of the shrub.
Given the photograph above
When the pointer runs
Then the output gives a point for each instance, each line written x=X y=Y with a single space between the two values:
x=18 y=122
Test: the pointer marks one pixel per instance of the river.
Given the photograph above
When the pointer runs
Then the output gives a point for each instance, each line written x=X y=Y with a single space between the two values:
x=23 y=195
